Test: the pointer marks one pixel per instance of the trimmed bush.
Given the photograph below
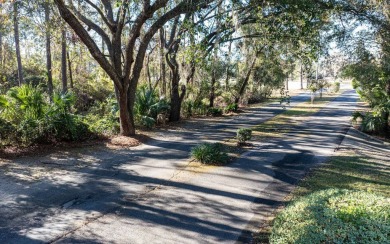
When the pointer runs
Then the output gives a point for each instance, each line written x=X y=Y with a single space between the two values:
x=208 y=153
x=214 y=111
x=244 y=135
x=334 y=216
x=336 y=87
x=231 y=108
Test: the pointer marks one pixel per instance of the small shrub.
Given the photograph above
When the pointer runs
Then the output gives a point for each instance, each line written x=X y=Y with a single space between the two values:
x=61 y=123
x=313 y=87
x=244 y=135
x=200 y=108
x=207 y=153
x=231 y=108
x=336 y=87
x=261 y=94
x=161 y=107
x=106 y=126
x=214 y=111
x=148 y=105
x=103 y=118
x=370 y=122
x=148 y=122
x=187 y=108
x=68 y=127
x=7 y=132
x=30 y=131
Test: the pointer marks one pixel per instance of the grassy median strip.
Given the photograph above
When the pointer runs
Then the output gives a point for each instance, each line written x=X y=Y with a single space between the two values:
x=283 y=122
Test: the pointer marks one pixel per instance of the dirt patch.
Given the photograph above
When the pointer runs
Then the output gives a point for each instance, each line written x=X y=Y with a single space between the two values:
x=11 y=152
x=125 y=141
x=115 y=142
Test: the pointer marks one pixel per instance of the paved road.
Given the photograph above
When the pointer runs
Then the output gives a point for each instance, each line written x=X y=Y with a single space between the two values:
x=148 y=195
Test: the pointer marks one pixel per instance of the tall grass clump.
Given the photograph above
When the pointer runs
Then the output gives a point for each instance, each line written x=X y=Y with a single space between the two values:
x=210 y=153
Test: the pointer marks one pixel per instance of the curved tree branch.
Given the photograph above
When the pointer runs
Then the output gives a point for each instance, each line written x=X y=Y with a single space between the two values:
x=78 y=28
x=93 y=26
x=105 y=20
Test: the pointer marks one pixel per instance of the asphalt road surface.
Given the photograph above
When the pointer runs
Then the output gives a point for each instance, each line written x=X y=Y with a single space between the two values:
x=148 y=194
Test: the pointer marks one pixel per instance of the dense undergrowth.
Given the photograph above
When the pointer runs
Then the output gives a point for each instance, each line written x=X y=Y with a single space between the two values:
x=29 y=116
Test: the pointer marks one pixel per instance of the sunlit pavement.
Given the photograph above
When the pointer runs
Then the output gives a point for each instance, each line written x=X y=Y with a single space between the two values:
x=147 y=195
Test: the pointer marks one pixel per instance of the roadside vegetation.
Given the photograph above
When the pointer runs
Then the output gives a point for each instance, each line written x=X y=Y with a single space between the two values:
x=210 y=153
x=198 y=60
x=345 y=201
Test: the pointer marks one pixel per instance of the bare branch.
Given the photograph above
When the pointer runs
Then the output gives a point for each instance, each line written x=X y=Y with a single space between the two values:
x=108 y=8
x=135 y=33
x=181 y=8
x=106 y=21
x=93 y=26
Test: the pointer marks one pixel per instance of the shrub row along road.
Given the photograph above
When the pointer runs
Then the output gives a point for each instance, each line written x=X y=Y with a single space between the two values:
x=148 y=194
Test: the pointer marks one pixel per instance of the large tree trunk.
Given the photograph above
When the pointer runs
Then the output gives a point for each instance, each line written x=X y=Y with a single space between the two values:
x=228 y=66
x=163 y=74
x=176 y=99
x=1 y=48
x=127 y=127
x=70 y=70
x=190 y=77
x=1 y=42
x=387 y=114
x=212 y=90
x=63 y=62
x=287 y=82
x=17 y=42
x=301 y=75
x=48 y=51
x=245 y=82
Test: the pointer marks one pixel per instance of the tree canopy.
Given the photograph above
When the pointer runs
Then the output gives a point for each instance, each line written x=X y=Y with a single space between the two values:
x=188 y=56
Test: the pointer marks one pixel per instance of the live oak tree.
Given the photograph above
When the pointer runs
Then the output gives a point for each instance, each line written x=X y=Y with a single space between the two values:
x=126 y=36
x=127 y=31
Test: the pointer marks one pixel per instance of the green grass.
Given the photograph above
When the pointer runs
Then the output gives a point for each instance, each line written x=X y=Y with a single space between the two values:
x=345 y=201
x=349 y=171
x=334 y=216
